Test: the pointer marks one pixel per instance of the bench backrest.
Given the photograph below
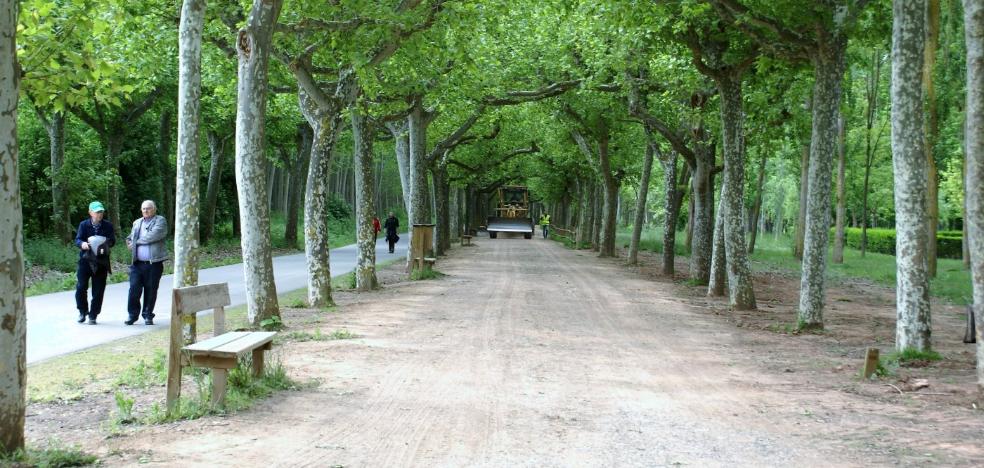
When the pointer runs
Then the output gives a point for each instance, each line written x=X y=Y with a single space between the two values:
x=190 y=300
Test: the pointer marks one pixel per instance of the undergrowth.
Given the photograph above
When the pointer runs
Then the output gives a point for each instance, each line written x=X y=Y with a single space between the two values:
x=52 y=456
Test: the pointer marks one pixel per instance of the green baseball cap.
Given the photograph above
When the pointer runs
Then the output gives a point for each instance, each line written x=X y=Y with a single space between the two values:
x=96 y=206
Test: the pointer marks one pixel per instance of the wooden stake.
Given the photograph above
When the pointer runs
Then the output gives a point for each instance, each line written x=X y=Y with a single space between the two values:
x=870 y=362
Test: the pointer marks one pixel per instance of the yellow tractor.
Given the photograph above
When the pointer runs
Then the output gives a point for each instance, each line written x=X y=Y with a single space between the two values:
x=513 y=212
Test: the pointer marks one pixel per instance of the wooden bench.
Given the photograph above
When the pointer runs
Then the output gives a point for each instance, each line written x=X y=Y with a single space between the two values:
x=219 y=353
x=466 y=239
x=424 y=263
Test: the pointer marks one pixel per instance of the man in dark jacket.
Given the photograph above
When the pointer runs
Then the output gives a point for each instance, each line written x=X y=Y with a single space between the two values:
x=392 y=225
x=94 y=261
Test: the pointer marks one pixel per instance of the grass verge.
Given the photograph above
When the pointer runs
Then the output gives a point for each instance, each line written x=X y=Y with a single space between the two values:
x=952 y=281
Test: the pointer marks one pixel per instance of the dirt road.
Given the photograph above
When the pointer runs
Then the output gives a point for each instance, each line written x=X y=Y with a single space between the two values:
x=529 y=354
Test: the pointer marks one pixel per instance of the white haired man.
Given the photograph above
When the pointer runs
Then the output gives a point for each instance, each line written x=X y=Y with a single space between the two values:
x=146 y=241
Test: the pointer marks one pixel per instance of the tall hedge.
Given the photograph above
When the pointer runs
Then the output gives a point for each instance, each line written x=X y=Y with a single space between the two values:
x=948 y=243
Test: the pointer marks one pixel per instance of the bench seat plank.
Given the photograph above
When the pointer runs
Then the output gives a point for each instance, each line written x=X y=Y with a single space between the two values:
x=215 y=341
x=246 y=341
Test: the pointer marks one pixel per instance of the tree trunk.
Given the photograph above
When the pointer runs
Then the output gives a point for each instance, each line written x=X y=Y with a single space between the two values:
x=640 y=214
x=757 y=208
x=298 y=173
x=965 y=243
x=419 y=209
x=688 y=243
x=365 y=264
x=829 y=62
x=442 y=211
x=838 y=256
x=13 y=314
x=584 y=221
x=55 y=126
x=932 y=130
x=114 y=147
x=974 y=195
x=672 y=217
x=253 y=47
x=718 y=280
x=216 y=148
x=913 y=329
x=189 y=99
x=740 y=285
x=804 y=191
x=401 y=138
x=596 y=216
x=609 y=212
x=168 y=172
x=703 y=226
x=317 y=248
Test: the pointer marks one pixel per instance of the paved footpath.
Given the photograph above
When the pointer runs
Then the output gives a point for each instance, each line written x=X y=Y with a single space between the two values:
x=53 y=331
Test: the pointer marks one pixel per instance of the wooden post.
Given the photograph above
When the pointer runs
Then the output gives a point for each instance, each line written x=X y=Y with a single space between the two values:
x=218 y=321
x=174 y=355
x=258 y=362
x=219 y=379
x=870 y=362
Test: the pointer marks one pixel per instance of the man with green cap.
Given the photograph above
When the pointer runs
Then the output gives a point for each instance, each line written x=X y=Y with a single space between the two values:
x=94 y=238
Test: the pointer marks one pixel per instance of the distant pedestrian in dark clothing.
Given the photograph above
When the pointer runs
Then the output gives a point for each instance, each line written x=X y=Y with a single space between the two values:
x=146 y=240
x=392 y=225
x=94 y=239
x=375 y=229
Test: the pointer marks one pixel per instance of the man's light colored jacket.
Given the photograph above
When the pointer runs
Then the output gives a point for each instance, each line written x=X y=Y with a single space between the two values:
x=152 y=234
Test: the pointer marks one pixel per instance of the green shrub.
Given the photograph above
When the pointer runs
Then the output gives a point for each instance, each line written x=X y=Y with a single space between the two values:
x=948 y=243
x=51 y=253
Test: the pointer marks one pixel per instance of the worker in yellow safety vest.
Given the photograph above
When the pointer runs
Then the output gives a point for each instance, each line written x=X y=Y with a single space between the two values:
x=545 y=223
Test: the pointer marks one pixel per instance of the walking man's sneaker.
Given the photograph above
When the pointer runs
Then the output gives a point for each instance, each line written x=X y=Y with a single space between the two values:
x=149 y=322
x=92 y=321
x=81 y=317
x=129 y=321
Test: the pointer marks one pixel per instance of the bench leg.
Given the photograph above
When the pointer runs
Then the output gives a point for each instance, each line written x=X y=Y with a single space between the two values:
x=258 y=362
x=219 y=379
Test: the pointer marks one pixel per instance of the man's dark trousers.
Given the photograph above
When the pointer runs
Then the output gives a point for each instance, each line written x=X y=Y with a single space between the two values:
x=82 y=276
x=145 y=277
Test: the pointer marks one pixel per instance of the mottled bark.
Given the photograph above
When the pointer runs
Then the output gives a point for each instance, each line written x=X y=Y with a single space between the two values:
x=640 y=214
x=325 y=128
x=189 y=99
x=841 y=209
x=13 y=316
x=829 y=62
x=363 y=132
x=253 y=47
x=913 y=329
x=974 y=147
x=741 y=292
x=703 y=226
